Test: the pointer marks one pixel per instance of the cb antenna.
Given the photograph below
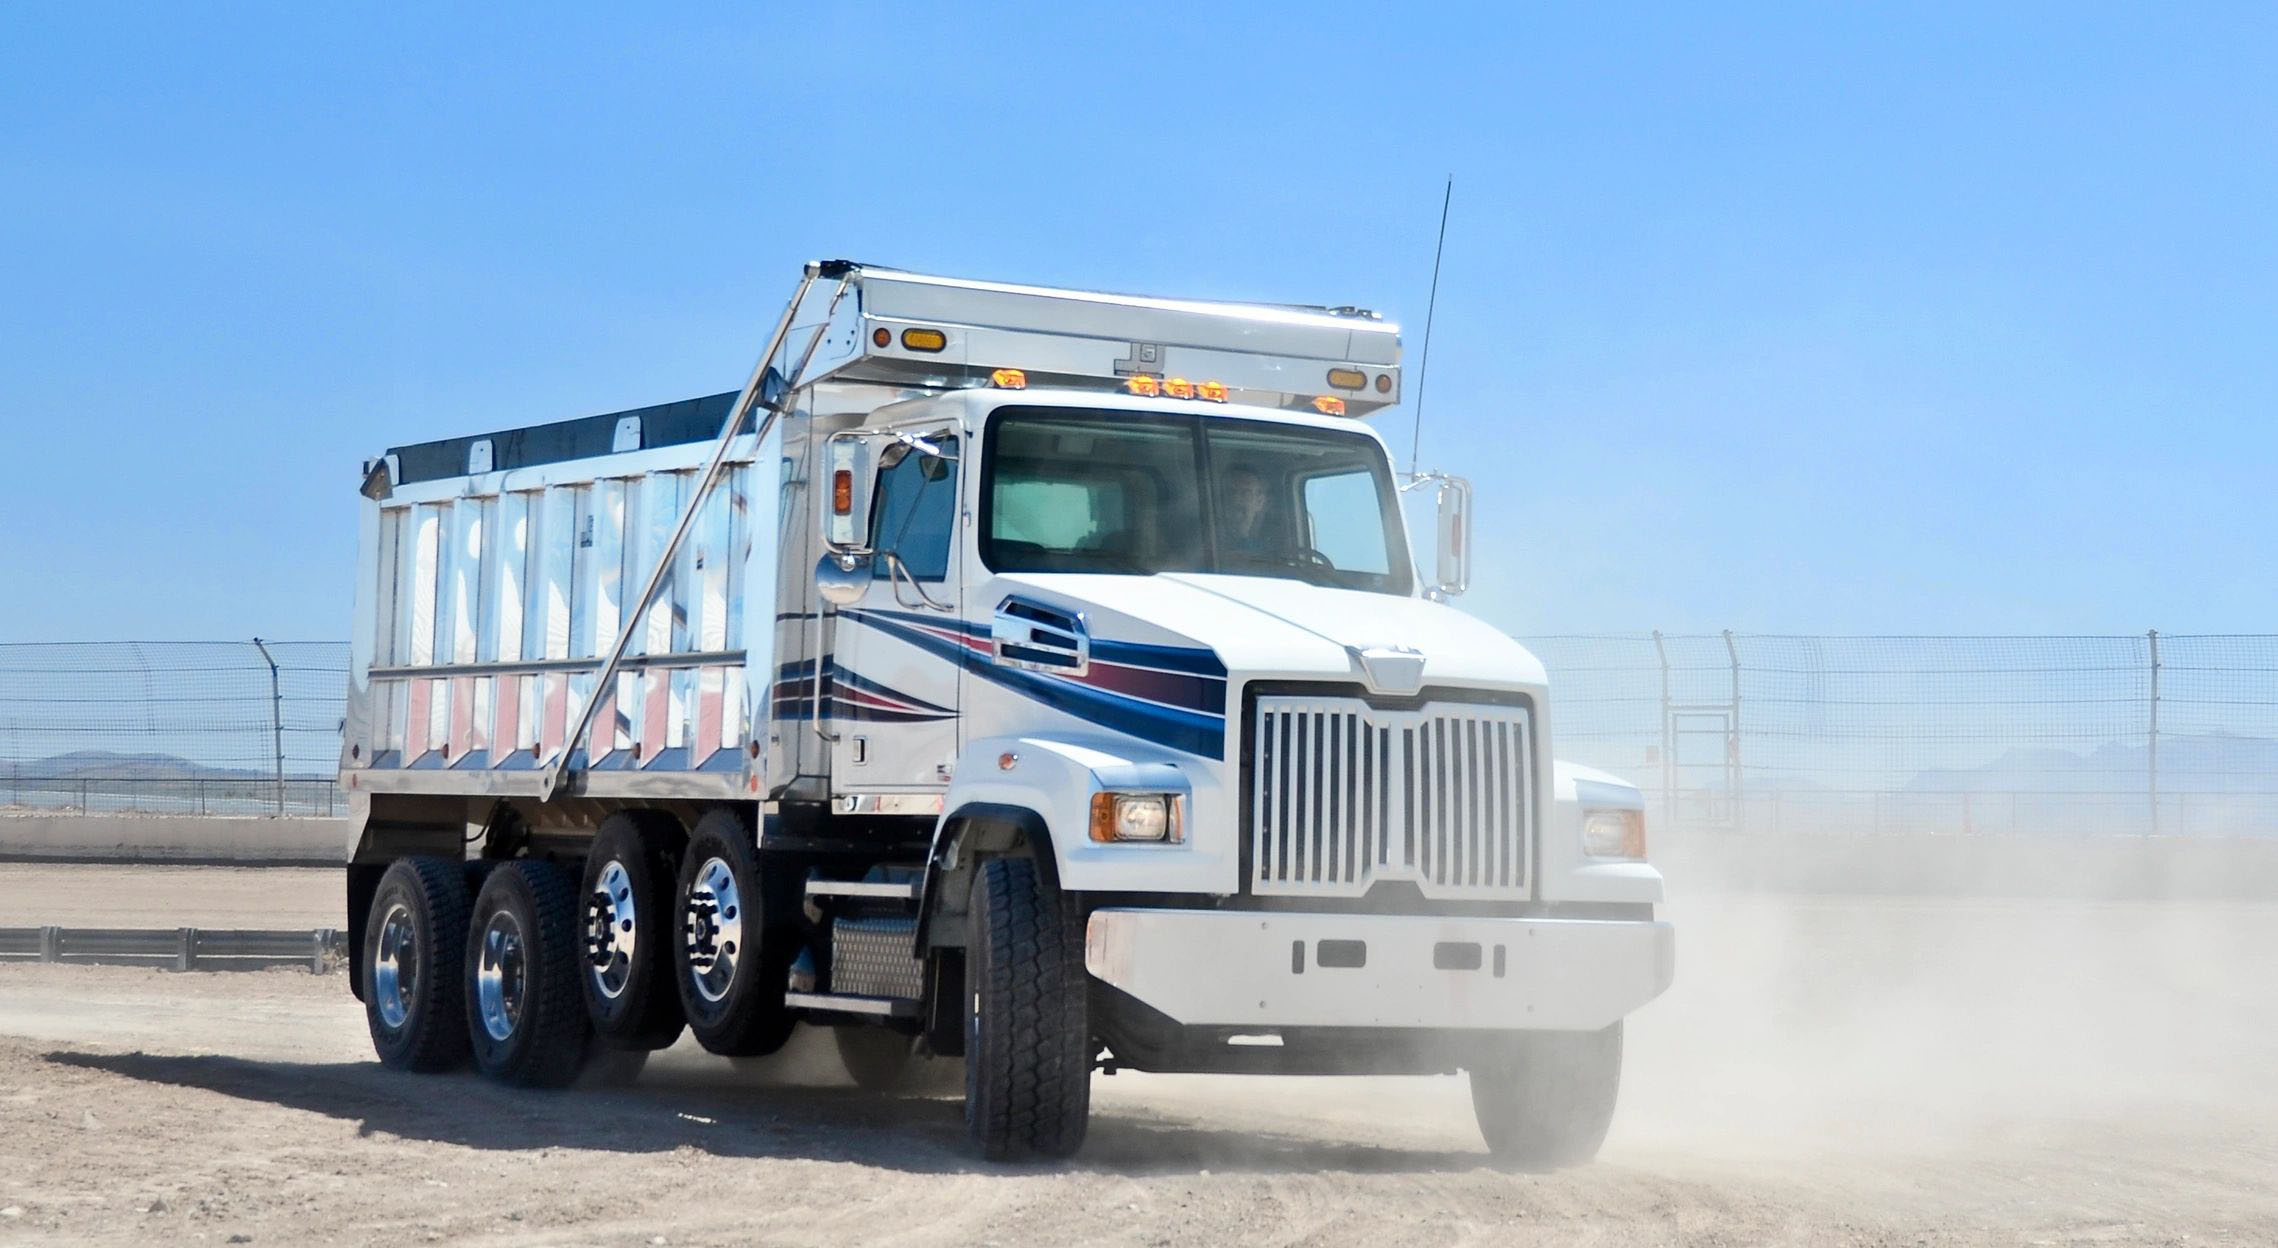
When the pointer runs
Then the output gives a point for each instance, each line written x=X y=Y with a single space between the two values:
x=1424 y=369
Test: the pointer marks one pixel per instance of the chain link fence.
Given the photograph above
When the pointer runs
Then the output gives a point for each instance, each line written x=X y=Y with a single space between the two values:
x=2062 y=736
x=235 y=728
x=2145 y=735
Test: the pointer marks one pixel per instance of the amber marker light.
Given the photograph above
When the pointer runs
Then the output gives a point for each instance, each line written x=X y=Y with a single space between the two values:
x=881 y=336
x=1144 y=386
x=1329 y=405
x=1178 y=388
x=1348 y=378
x=1009 y=379
x=842 y=492
x=1215 y=391
x=924 y=339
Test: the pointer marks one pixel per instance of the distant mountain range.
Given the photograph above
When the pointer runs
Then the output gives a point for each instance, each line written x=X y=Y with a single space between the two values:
x=2200 y=763
x=111 y=765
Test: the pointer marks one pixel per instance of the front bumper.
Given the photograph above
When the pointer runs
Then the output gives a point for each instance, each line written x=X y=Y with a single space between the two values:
x=1251 y=968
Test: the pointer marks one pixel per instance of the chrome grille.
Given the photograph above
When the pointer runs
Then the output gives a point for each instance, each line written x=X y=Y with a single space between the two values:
x=1343 y=795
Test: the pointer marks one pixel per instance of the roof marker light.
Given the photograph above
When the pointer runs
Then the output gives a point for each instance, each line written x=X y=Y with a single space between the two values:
x=1178 y=388
x=1215 y=391
x=1329 y=405
x=1144 y=386
x=1009 y=379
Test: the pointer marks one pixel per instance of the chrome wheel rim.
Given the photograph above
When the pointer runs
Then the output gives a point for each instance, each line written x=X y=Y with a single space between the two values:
x=612 y=931
x=502 y=976
x=713 y=929
x=395 y=966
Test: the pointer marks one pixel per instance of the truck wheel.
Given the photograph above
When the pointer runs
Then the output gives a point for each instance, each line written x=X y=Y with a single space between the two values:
x=525 y=1012
x=730 y=965
x=1028 y=1066
x=1544 y=1099
x=628 y=947
x=876 y=1058
x=413 y=943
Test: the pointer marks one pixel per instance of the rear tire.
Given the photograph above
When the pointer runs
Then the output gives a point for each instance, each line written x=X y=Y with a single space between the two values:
x=413 y=944
x=1544 y=1099
x=1028 y=1047
x=729 y=962
x=525 y=1010
x=878 y=1059
x=628 y=931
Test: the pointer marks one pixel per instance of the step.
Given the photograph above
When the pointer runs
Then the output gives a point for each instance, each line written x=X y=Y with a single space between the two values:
x=883 y=890
x=849 y=1003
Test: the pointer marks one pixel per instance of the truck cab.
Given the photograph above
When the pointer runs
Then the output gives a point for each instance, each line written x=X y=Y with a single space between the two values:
x=1100 y=717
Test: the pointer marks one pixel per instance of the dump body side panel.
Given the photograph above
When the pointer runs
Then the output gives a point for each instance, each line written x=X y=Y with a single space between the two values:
x=487 y=602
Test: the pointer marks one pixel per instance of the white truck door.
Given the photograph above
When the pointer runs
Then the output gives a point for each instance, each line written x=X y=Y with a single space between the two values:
x=893 y=679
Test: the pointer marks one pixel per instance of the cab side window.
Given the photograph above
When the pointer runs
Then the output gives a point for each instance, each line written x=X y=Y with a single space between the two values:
x=916 y=511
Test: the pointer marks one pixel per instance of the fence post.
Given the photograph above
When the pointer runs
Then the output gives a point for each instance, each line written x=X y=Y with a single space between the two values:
x=1668 y=740
x=2151 y=764
x=185 y=948
x=51 y=944
x=276 y=719
x=1732 y=741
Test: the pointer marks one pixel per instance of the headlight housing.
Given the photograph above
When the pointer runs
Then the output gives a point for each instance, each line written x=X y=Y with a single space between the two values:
x=1147 y=818
x=1614 y=834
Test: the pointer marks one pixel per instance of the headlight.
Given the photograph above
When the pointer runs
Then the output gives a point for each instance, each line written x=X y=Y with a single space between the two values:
x=1613 y=833
x=1136 y=817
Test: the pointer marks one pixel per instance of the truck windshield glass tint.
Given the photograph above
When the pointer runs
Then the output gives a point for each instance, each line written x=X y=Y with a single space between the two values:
x=1120 y=492
x=917 y=504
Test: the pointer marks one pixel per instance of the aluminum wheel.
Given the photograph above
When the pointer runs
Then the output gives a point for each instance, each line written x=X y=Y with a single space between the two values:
x=714 y=929
x=502 y=977
x=612 y=931
x=395 y=966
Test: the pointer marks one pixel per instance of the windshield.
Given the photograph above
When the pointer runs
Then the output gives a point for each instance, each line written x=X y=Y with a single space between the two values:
x=1135 y=493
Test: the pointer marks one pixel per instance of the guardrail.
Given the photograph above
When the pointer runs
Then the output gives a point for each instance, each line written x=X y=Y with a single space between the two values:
x=176 y=948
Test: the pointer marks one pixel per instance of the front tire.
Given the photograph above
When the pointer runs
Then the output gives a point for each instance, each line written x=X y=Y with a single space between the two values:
x=729 y=964
x=1544 y=1099
x=1028 y=1049
x=413 y=944
x=627 y=920
x=525 y=1012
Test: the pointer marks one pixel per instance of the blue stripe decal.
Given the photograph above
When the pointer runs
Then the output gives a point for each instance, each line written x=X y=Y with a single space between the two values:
x=1193 y=660
x=1190 y=731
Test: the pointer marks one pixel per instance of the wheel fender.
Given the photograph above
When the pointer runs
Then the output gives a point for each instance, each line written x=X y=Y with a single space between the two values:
x=1033 y=794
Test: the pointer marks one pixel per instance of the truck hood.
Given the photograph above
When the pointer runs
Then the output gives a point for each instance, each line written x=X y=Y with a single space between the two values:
x=1267 y=628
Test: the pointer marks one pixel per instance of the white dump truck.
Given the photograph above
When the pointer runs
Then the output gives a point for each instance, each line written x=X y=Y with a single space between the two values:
x=1038 y=677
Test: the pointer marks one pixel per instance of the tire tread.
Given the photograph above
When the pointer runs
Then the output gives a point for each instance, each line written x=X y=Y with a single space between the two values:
x=1028 y=1088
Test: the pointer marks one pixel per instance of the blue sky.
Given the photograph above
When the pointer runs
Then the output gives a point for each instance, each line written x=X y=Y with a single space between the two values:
x=1822 y=318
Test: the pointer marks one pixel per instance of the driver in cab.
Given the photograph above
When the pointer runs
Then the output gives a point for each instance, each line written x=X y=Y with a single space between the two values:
x=1247 y=533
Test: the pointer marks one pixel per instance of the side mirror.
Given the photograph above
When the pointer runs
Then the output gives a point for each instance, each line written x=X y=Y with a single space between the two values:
x=849 y=476
x=1451 y=497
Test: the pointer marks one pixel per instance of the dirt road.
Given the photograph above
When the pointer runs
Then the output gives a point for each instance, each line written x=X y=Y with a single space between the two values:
x=1827 y=1071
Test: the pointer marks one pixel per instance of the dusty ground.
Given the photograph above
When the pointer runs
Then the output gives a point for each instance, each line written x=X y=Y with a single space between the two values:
x=1826 y=1071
